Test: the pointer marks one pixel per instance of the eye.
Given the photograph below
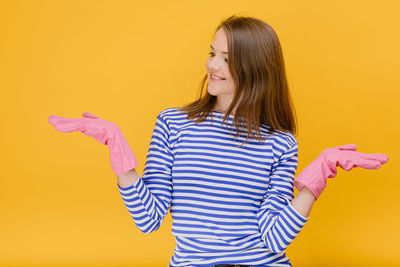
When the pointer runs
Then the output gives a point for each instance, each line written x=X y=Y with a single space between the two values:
x=213 y=54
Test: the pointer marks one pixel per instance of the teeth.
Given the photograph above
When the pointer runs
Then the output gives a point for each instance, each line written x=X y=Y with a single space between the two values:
x=215 y=77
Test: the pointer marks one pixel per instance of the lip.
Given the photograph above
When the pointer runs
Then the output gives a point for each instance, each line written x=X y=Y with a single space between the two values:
x=214 y=80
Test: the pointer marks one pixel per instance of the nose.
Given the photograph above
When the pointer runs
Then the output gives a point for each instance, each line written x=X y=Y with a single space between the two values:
x=214 y=63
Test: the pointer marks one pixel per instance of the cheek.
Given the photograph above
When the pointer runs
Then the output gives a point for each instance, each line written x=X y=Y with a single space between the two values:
x=227 y=72
x=231 y=83
x=207 y=63
x=230 y=80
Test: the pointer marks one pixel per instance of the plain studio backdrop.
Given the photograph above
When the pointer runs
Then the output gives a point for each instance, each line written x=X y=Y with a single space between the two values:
x=125 y=61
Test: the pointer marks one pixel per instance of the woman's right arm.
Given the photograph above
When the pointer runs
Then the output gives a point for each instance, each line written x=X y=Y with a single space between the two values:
x=147 y=199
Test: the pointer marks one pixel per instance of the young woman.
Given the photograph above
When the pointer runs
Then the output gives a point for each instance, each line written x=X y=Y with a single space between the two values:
x=224 y=165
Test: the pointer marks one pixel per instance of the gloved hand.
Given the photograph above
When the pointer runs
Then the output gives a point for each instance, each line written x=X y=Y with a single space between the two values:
x=324 y=166
x=107 y=133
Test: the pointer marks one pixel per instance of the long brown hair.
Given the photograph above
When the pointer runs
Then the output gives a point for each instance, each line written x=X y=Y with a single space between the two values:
x=257 y=68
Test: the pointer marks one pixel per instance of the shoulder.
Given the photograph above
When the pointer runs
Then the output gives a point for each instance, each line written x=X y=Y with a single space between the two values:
x=169 y=111
x=171 y=114
x=173 y=118
x=283 y=142
x=289 y=139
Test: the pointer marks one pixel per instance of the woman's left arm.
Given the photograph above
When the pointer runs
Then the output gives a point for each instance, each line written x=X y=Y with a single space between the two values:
x=278 y=220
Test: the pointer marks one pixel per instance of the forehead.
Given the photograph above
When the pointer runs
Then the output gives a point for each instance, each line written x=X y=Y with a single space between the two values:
x=220 y=40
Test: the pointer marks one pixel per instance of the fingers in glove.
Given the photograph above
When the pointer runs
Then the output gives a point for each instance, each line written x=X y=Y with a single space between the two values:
x=382 y=158
x=53 y=119
x=89 y=115
x=65 y=125
x=348 y=147
x=363 y=163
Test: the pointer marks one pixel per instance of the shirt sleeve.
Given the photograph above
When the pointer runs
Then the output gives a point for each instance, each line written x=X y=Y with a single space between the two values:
x=278 y=220
x=149 y=199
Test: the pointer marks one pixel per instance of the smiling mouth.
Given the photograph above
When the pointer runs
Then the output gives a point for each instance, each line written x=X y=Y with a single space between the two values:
x=216 y=78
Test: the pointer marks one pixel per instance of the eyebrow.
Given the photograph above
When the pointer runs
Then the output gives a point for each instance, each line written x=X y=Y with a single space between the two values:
x=222 y=52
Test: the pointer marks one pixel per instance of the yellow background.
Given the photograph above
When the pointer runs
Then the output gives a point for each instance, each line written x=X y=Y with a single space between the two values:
x=125 y=61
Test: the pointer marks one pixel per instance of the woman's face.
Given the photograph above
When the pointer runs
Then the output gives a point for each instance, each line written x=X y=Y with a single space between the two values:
x=222 y=85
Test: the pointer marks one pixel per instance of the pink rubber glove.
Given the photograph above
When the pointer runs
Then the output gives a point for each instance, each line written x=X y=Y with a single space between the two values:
x=107 y=133
x=324 y=166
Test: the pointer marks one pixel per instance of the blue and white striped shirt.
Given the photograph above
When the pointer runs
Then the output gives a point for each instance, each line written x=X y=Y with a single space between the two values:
x=229 y=204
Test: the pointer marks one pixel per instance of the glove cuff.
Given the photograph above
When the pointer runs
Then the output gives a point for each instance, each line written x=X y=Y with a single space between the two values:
x=314 y=176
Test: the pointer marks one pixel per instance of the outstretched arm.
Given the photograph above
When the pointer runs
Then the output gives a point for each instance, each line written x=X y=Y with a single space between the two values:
x=147 y=199
x=105 y=132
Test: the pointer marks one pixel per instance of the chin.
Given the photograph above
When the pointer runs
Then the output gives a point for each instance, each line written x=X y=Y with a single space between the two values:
x=217 y=91
x=212 y=92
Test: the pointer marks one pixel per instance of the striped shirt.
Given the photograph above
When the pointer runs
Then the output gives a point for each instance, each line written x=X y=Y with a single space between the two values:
x=230 y=204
